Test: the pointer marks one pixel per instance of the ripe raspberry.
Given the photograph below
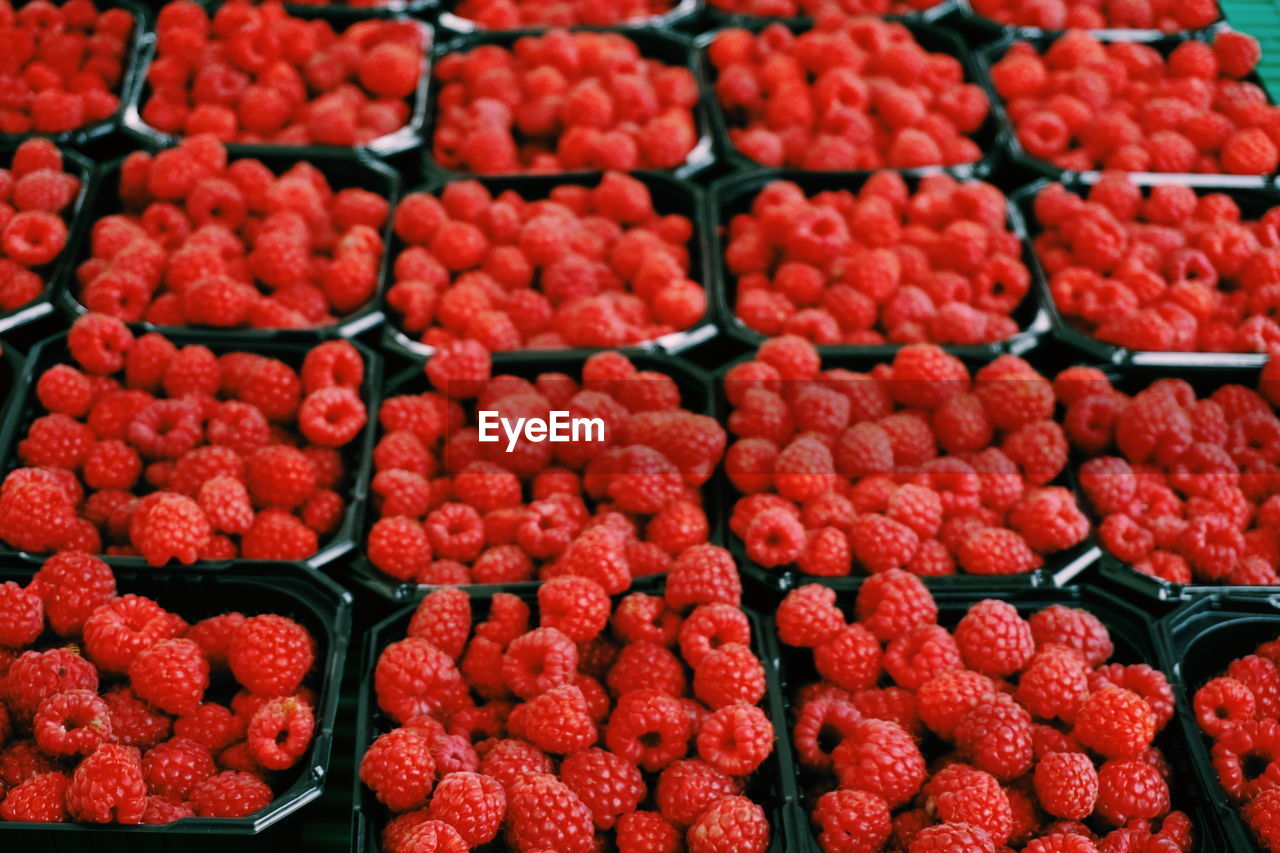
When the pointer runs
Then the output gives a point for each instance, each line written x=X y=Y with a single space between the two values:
x=35 y=516
x=850 y=659
x=278 y=535
x=852 y=821
x=1221 y=704
x=881 y=758
x=134 y=722
x=1079 y=629
x=108 y=787
x=703 y=574
x=169 y=526
x=646 y=832
x=687 y=788
x=99 y=343
x=577 y=607
x=608 y=785
x=558 y=721
x=120 y=630
x=1115 y=723
x=21 y=615
x=1054 y=683
x=994 y=639
x=173 y=768
x=996 y=737
x=542 y=812
x=413 y=677
x=230 y=794
x=172 y=675
x=72 y=722
x=648 y=729
x=920 y=655
x=270 y=655
x=443 y=618
x=280 y=732
x=808 y=616
x=472 y=803
x=730 y=825
x=960 y=794
x=1066 y=785
x=736 y=739
x=38 y=799
x=891 y=603
x=1131 y=789
x=731 y=673
x=399 y=769
x=946 y=837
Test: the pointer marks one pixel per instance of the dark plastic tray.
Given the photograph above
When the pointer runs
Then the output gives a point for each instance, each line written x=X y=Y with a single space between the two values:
x=671 y=48
x=1060 y=569
x=987 y=57
x=1196 y=643
x=288 y=589
x=52 y=272
x=342 y=171
x=989 y=137
x=683 y=13
x=405 y=139
x=695 y=391
x=734 y=195
x=773 y=786
x=1132 y=632
x=1253 y=203
x=670 y=195
x=358 y=454
x=1112 y=570
x=140 y=41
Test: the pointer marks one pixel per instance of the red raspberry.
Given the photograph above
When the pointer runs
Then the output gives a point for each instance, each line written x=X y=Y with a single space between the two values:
x=120 y=630
x=1079 y=629
x=35 y=516
x=578 y=607
x=399 y=769
x=558 y=721
x=538 y=661
x=962 y=795
x=1054 y=683
x=730 y=824
x=892 y=603
x=399 y=547
x=99 y=343
x=413 y=677
x=543 y=812
x=443 y=618
x=134 y=722
x=1221 y=704
x=280 y=732
x=21 y=615
x=56 y=441
x=1066 y=785
x=808 y=616
x=881 y=758
x=731 y=673
x=994 y=639
x=171 y=675
x=946 y=837
x=72 y=722
x=649 y=729
x=920 y=655
x=996 y=737
x=170 y=526
x=1259 y=814
x=687 y=788
x=37 y=799
x=173 y=768
x=1131 y=789
x=850 y=658
x=270 y=655
x=1148 y=683
x=1115 y=723
x=472 y=803
x=608 y=785
x=108 y=787
x=64 y=390
x=278 y=535
x=646 y=832
x=703 y=574
x=230 y=794
x=736 y=739
x=852 y=820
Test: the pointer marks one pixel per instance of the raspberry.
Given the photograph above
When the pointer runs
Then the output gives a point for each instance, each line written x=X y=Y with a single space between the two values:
x=852 y=820
x=35 y=516
x=729 y=674
x=894 y=602
x=641 y=831
x=278 y=535
x=1054 y=683
x=38 y=799
x=171 y=527
x=99 y=343
x=557 y=721
x=270 y=655
x=331 y=417
x=443 y=618
x=64 y=390
x=108 y=787
x=398 y=767
x=880 y=758
x=608 y=785
x=172 y=675
x=1221 y=704
x=1069 y=626
x=649 y=729
x=921 y=654
x=280 y=732
x=472 y=803
x=735 y=739
x=962 y=795
x=21 y=615
x=1066 y=785
x=577 y=607
x=543 y=812
x=72 y=722
x=703 y=574
x=952 y=836
x=414 y=677
x=996 y=737
x=134 y=722
x=118 y=631
x=1115 y=723
x=808 y=616
x=994 y=639
x=230 y=794
x=173 y=768
x=1131 y=789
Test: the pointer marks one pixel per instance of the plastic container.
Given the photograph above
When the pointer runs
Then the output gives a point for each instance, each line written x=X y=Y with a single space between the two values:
x=1164 y=44
x=18 y=417
x=734 y=195
x=43 y=305
x=1114 y=571
x=670 y=195
x=323 y=608
x=773 y=785
x=990 y=29
x=405 y=139
x=1059 y=569
x=668 y=47
x=696 y=395
x=1197 y=642
x=682 y=14
x=141 y=40
x=1131 y=632
x=343 y=171
x=988 y=137
x=1253 y=203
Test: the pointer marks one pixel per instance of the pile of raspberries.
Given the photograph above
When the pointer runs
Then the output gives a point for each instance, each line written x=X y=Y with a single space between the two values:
x=883 y=265
x=255 y=74
x=453 y=510
x=179 y=454
x=1186 y=497
x=1086 y=104
x=35 y=193
x=1168 y=16
x=563 y=101
x=1031 y=739
x=61 y=66
x=818 y=8
x=586 y=267
x=1240 y=712
x=203 y=241
x=523 y=14
x=107 y=714
x=852 y=93
x=913 y=466
x=638 y=718
x=1161 y=268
